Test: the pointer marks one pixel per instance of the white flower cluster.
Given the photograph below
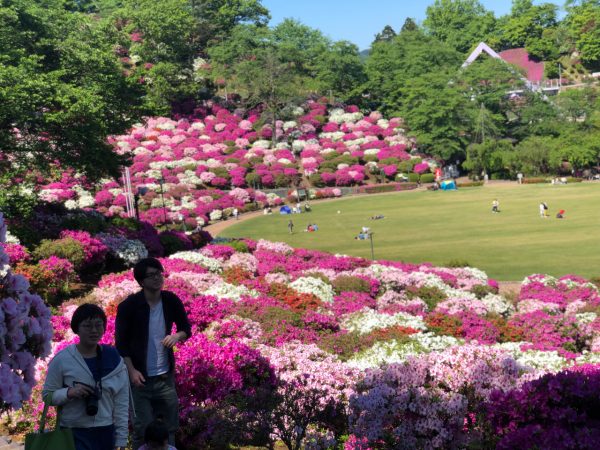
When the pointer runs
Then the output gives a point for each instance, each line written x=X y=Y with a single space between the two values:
x=84 y=199
x=230 y=291
x=433 y=343
x=367 y=320
x=131 y=252
x=316 y=286
x=212 y=264
x=216 y=214
x=11 y=238
x=498 y=304
x=585 y=318
x=588 y=358
x=339 y=116
x=536 y=360
x=390 y=352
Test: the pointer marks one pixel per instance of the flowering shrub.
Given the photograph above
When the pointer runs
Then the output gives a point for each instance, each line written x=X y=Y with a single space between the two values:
x=24 y=336
x=199 y=168
x=556 y=411
x=51 y=277
x=93 y=249
x=306 y=347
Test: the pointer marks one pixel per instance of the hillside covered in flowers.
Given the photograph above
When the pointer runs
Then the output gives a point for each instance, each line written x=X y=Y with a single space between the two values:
x=203 y=168
x=318 y=351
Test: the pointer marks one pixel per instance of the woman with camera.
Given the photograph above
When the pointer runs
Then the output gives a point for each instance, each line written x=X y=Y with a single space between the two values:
x=90 y=383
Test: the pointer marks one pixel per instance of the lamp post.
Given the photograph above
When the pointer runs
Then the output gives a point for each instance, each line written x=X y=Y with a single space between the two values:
x=371 y=240
x=161 y=181
x=140 y=191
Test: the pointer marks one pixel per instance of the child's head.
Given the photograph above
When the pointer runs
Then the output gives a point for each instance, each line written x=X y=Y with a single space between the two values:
x=156 y=436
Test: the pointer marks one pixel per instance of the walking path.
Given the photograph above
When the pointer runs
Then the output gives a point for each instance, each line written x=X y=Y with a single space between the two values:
x=7 y=444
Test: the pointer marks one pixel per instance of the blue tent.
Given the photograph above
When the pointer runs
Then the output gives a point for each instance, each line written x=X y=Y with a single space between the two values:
x=285 y=209
x=448 y=185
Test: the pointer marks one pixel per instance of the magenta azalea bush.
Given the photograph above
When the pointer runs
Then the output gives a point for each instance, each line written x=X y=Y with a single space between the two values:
x=318 y=351
x=212 y=164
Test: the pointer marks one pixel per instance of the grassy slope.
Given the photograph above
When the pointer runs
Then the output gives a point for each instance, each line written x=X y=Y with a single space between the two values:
x=442 y=226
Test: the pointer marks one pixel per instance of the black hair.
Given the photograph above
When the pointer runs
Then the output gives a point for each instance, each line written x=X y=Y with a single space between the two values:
x=139 y=270
x=156 y=432
x=84 y=312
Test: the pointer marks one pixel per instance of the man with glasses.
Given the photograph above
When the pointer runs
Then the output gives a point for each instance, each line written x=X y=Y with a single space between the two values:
x=142 y=333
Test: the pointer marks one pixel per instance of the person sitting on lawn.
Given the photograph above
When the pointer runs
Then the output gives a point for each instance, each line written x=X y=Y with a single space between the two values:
x=560 y=214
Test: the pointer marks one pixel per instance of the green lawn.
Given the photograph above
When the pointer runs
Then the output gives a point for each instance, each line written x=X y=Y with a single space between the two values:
x=440 y=226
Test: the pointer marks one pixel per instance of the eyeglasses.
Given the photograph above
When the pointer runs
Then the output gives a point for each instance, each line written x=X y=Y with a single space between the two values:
x=154 y=275
x=98 y=325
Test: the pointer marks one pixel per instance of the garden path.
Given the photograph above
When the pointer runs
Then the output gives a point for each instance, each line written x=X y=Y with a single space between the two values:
x=7 y=444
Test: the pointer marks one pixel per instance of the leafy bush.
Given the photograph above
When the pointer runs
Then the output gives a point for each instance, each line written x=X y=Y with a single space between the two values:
x=427 y=178
x=430 y=295
x=66 y=248
x=200 y=238
x=252 y=179
x=457 y=263
x=406 y=166
x=344 y=344
x=534 y=180
x=174 y=241
x=390 y=187
x=316 y=180
x=125 y=222
x=413 y=177
x=91 y=221
x=469 y=184
x=319 y=276
x=50 y=278
x=347 y=283
x=238 y=246
x=481 y=290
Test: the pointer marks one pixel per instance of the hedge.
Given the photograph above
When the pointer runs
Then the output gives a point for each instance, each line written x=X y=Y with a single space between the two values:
x=390 y=187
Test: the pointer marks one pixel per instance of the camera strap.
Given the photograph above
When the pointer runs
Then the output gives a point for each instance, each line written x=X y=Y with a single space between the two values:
x=98 y=374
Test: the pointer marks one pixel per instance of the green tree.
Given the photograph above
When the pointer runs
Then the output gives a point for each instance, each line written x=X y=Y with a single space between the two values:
x=392 y=67
x=526 y=24
x=217 y=18
x=462 y=24
x=436 y=113
x=340 y=71
x=387 y=34
x=490 y=156
x=409 y=25
x=534 y=153
x=583 y=25
x=61 y=89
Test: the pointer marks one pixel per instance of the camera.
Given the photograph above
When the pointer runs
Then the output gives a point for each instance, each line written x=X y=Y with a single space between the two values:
x=91 y=401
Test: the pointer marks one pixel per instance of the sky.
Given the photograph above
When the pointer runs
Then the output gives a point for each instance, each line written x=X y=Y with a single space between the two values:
x=358 y=21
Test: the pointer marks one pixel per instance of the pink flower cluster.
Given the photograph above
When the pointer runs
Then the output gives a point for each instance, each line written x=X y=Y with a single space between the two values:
x=311 y=334
x=191 y=163
x=94 y=249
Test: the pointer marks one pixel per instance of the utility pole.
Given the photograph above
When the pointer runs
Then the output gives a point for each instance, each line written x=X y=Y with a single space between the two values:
x=559 y=77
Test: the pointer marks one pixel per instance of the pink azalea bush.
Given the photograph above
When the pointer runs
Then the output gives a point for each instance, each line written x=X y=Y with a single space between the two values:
x=315 y=350
x=218 y=161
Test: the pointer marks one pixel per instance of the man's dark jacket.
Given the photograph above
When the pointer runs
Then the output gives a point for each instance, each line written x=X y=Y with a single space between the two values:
x=131 y=326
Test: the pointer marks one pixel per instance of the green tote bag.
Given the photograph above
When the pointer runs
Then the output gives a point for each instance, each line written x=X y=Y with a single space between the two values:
x=56 y=439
